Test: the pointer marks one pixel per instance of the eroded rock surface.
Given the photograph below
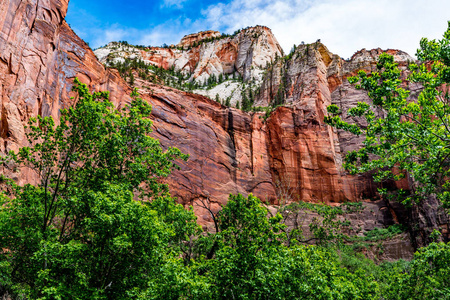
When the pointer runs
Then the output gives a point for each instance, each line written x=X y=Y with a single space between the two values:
x=192 y=39
x=207 y=53
x=292 y=152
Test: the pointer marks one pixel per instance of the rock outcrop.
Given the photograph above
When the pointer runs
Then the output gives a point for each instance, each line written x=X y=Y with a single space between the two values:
x=309 y=80
x=195 y=38
x=207 y=53
x=39 y=58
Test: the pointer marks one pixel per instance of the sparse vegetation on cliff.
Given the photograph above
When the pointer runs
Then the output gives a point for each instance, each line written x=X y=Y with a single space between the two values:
x=152 y=73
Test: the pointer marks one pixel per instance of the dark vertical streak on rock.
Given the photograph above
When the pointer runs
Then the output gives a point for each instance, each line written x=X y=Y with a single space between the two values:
x=232 y=145
x=251 y=146
x=10 y=71
x=35 y=17
x=296 y=190
x=274 y=170
x=3 y=124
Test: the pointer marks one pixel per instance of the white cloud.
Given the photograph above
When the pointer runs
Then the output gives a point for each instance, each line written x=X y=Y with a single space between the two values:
x=344 y=26
x=173 y=3
x=113 y=33
x=169 y=32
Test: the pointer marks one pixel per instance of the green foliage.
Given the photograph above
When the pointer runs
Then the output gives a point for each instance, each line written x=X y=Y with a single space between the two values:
x=427 y=276
x=326 y=228
x=131 y=78
x=227 y=102
x=384 y=233
x=411 y=135
x=247 y=99
x=291 y=53
x=246 y=219
x=268 y=110
x=280 y=96
x=382 y=273
x=252 y=261
x=378 y=234
x=435 y=235
x=79 y=233
x=152 y=73
x=82 y=233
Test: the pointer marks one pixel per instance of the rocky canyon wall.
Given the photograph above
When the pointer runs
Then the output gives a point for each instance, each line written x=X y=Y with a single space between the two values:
x=291 y=153
x=230 y=151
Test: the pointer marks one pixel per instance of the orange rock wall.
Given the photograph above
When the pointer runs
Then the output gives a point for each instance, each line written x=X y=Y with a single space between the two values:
x=292 y=153
x=191 y=39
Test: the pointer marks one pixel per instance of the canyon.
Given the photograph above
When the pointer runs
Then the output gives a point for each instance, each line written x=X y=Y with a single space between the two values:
x=290 y=153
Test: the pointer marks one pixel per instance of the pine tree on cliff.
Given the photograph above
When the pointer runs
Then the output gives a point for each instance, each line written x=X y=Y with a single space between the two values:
x=131 y=77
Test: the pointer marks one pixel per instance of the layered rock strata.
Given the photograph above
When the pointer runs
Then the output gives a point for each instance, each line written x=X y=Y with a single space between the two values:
x=313 y=78
x=39 y=58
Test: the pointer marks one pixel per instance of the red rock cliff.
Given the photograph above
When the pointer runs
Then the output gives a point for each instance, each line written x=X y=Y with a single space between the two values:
x=291 y=153
x=230 y=151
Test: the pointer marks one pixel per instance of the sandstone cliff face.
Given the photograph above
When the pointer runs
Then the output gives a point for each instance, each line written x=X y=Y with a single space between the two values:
x=307 y=82
x=38 y=53
x=246 y=53
x=40 y=57
x=227 y=148
x=191 y=39
x=346 y=96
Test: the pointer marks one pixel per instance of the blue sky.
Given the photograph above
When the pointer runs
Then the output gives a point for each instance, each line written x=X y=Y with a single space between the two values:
x=138 y=22
x=344 y=26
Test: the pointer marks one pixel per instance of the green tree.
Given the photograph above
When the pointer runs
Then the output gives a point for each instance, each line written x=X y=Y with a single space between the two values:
x=79 y=234
x=227 y=102
x=412 y=136
x=131 y=78
x=252 y=261
x=247 y=101
x=245 y=232
x=427 y=276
